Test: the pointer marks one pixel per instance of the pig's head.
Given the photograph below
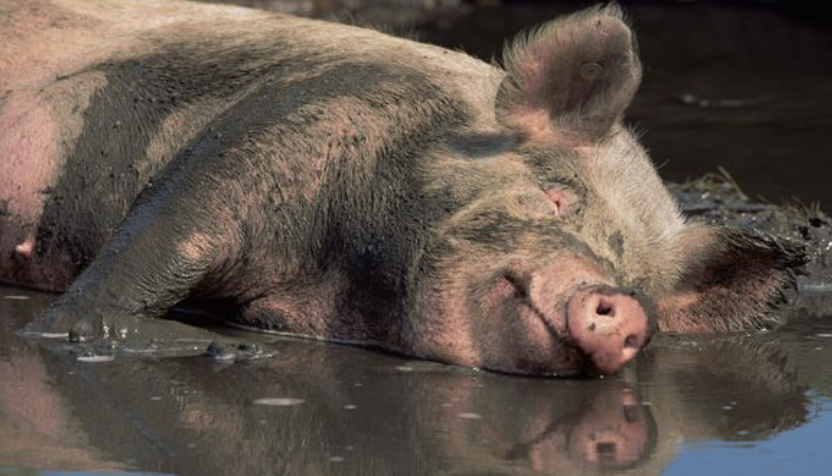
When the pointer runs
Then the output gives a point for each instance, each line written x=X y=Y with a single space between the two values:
x=568 y=251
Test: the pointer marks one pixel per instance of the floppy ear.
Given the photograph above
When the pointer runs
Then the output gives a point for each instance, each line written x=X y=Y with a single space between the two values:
x=734 y=279
x=572 y=77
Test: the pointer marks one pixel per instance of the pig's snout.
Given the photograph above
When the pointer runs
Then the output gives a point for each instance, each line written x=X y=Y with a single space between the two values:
x=610 y=327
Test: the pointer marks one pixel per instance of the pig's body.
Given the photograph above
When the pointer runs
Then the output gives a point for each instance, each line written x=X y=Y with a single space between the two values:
x=336 y=182
x=120 y=103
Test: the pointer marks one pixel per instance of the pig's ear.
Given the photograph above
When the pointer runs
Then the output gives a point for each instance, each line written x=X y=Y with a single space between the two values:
x=733 y=280
x=572 y=77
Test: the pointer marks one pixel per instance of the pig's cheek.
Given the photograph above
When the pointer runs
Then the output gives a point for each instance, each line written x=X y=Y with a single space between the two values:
x=500 y=294
x=517 y=338
x=538 y=346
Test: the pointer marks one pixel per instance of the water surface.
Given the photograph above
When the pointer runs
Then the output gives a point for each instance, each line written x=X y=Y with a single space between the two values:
x=751 y=403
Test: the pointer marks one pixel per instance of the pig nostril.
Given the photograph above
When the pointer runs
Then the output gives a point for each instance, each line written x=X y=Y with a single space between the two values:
x=631 y=342
x=604 y=309
x=605 y=448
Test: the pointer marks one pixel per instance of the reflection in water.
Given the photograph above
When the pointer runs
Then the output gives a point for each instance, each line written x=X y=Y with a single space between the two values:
x=341 y=410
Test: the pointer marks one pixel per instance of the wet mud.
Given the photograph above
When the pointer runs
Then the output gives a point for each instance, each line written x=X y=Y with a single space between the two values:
x=212 y=400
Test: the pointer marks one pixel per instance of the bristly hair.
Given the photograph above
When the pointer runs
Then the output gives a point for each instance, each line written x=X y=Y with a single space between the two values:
x=540 y=64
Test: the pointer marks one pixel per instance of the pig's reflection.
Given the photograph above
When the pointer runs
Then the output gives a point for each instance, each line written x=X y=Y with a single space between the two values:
x=376 y=416
x=371 y=414
x=615 y=430
x=349 y=411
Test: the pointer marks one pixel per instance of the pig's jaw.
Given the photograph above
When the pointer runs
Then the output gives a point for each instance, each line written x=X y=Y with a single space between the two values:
x=544 y=313
x=514 y=322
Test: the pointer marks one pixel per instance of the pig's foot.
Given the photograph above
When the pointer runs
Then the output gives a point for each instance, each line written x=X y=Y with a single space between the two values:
x=81 y=322
x=156 y=260
x=78 y=321
x=98 y=334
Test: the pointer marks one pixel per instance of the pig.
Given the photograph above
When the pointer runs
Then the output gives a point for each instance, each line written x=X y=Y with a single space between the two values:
x=321 y=180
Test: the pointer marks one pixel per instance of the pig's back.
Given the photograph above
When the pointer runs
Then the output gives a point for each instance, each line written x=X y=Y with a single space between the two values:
x=133 y=84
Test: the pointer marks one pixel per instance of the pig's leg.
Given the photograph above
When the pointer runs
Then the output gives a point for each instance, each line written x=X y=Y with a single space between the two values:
x=173 y=239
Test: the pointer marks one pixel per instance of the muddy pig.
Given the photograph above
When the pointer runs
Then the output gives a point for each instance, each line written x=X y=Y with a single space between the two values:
x=322 y=180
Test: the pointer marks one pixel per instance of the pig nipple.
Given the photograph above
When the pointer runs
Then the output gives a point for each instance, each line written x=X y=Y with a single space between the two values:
x=24 y=250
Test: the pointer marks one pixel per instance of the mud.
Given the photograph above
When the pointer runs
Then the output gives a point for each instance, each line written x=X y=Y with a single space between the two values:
x=717 y=199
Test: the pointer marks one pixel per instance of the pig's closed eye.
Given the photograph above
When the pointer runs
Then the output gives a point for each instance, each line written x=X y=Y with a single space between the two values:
x=562 y=199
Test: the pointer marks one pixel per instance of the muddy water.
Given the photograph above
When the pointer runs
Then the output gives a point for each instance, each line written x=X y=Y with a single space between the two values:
x=753 y=403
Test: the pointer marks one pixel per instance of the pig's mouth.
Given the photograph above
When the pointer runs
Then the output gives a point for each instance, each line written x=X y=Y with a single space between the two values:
x=569 y=360
x=575 y=362
x=594 y=329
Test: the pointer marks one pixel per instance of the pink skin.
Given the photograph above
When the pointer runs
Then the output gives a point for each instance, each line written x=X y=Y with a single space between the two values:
x=609 y=328
x=28 y=145
x=562 y=200
x=535 y=321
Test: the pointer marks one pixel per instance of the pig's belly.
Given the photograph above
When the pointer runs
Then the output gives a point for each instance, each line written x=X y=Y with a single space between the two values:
x=30 y=161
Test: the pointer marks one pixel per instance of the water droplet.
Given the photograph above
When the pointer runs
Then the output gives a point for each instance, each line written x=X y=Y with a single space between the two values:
x=52 y=335
x=350 y=407
x=825 y=334
x=156 y=398
x=12 y=297
x=727 y=407
x=336 y=459
x=279 y=402
x=469 y=416
x=95 y=359
x=404 y=368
